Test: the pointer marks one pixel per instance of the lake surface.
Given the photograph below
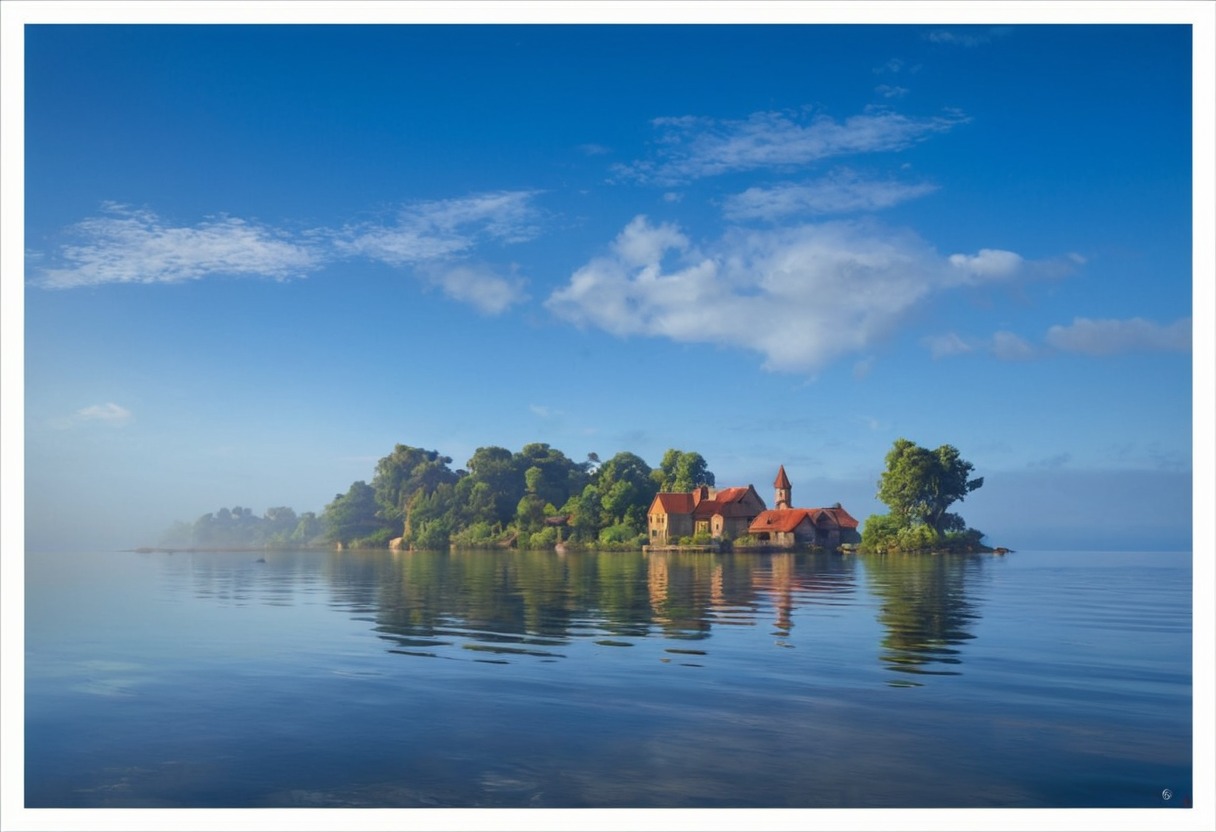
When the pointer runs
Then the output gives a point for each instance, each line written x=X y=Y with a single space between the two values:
x=505 y=679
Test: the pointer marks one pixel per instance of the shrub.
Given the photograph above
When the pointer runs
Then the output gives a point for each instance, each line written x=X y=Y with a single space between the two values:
x=880 y=532
x=433 y=534
x=479 y=532
x=916 y=538
x=543 y=539
x=619 y=533
x=377 y=540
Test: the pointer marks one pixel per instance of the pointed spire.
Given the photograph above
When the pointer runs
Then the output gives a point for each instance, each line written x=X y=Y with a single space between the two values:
x=782 y=482
x=782 y=489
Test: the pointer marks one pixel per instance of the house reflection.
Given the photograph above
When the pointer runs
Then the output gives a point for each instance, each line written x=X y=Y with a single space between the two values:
x=536 y=602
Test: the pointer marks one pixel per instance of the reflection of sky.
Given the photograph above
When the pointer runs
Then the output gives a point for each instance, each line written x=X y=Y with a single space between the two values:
x=209 y=677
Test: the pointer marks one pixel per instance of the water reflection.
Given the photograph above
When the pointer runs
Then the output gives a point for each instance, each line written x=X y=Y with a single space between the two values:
x=925 y=610
x=504 y=606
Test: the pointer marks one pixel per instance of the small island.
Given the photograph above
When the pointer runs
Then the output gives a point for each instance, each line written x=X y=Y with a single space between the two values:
x=539 y=498
x=919 y=486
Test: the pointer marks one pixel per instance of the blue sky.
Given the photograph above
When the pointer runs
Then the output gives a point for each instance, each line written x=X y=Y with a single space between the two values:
x=257 y=257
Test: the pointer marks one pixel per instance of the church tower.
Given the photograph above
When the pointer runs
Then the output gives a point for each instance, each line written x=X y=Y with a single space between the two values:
x=783 y=489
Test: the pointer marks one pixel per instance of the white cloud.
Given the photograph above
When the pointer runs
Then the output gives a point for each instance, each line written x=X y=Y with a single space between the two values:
x=942 y=346
x=442 y=229
x=1109 y=337
x=989 y=264
x=642 y=244
x=479 y=286
x=968 y=37
x=801 y=297
x=840 y=193
x=692 y=147
x=1009 y=347
x=436 y=238
x=891 y=91
x=129 y=246
x=109 y=414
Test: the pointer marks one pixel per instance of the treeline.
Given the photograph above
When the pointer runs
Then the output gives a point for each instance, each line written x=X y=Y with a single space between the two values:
x=239 y=527
x=530 y=498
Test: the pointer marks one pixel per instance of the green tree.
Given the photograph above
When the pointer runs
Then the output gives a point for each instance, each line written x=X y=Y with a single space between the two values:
x=353 y=515
x=494 y=486
x=584 y=510
x=626 y=488
x=402 y=475
x=308 y=528
x=559 y=475
x=919 y=485
x=682 y=471
x=530 y=512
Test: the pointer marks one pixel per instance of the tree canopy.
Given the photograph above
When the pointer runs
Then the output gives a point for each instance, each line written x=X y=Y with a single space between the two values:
x=919 y=486
x=534 y=496
x=682 y=471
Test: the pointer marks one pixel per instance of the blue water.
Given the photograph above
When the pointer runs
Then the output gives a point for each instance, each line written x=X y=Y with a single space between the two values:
x=503 y=679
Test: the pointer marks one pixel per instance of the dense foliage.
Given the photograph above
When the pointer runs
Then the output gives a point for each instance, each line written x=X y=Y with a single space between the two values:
x=918 y=486
x=532 y=498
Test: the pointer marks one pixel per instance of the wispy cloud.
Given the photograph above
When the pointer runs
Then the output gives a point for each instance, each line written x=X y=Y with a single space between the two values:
x=1008 y=346
x=842 y=192
x=1083 y=335
x=800 y=297
x=478 y=285
x=108 y=414
x=437 y=239
x=1004 y=345
x=691 y=147
x=1052 y=462
x=968 y=37
x=124 y=245
x=943 y=346
x=1110 y=337
x=439 y=229
x=891 y=91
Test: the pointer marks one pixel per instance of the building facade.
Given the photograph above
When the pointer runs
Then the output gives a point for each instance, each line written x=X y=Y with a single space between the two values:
x=785 y=527
x=720 y=514
x=730 y=513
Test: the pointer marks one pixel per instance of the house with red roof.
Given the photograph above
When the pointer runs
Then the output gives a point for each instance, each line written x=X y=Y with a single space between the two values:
x=719 y=513
x=730 y=513
x=785 y=527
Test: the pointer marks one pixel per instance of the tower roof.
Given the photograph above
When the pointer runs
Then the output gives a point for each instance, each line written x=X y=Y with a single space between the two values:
x=782 y=480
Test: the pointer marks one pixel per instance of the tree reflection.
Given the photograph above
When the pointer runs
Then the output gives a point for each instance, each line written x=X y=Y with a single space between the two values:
x=925 y=610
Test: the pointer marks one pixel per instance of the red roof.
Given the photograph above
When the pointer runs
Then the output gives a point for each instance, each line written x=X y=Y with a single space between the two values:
x=780 y=520
x=674 y=502
x=782 y=480
x=728 y=502
x=787 y=519
x=842 y=517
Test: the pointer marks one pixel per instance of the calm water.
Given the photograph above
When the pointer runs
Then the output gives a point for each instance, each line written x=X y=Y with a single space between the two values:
x=318 y=679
